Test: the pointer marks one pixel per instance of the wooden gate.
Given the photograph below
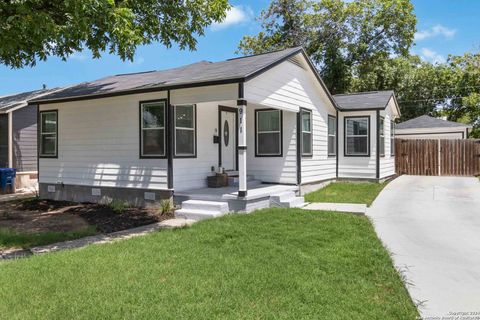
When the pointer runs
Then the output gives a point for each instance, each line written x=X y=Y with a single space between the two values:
x=437 y=157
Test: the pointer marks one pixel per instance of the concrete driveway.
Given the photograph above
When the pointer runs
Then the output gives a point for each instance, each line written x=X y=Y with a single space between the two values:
x=431 y=225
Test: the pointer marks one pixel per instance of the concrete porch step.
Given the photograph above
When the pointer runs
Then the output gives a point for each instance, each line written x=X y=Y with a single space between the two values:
x=287 y=199
x=201 y=209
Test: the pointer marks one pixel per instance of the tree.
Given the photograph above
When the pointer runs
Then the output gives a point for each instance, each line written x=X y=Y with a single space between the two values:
x=32 y=30
x=342 y=38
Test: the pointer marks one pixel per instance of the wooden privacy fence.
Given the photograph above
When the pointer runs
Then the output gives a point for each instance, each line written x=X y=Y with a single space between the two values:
x=437 y=157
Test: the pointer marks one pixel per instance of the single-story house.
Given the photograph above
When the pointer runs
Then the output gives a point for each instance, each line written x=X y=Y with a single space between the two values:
x=266 y=120
x=427 y=127
x=18 y=135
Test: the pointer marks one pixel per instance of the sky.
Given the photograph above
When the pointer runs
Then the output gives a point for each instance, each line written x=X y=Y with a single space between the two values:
x=444 y=27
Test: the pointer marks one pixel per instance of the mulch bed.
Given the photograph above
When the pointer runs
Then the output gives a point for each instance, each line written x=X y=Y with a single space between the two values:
x=24 y=214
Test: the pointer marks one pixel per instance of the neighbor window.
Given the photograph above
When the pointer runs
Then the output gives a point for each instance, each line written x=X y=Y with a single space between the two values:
x=382 y=136
x=185 y=126
x=306 y=132
x=392 y=138
x=153 y=128
x=332 y=136
x=269 y=133
x=48 y=133
x=357 y=136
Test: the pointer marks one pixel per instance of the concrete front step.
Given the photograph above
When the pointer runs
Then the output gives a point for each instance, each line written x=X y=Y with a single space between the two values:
x=202 y=209
x=287 y=199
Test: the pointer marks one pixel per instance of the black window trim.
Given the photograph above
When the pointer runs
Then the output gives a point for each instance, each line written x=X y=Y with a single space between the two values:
x=380 y=133
x=257 y=155
x=332 y=155
x=40 y=155
x=304 y=154
x=345 y=137
x=140 y=128
x=195 y=129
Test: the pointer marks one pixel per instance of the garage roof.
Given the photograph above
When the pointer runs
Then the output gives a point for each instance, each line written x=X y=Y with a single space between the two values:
x=426 y=121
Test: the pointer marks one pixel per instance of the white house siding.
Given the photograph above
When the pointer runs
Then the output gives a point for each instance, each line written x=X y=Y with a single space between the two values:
x=387 y=162
x=357 y=167
x=98 y=145
x=290 y=87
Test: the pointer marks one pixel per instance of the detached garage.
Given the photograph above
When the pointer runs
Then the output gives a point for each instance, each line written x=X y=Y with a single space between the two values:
x=426 y=127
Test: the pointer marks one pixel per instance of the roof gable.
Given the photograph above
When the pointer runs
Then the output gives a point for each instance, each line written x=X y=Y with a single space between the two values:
x=19 y=100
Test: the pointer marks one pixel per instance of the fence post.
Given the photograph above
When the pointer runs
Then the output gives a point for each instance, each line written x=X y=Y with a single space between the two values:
x=439 y=157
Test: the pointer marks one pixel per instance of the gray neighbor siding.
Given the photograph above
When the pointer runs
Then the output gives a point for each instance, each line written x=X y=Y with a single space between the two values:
x=24 y=123
x=3 y=140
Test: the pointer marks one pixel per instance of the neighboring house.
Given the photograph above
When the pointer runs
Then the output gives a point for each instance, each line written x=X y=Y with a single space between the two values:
x=264 y=118
x=18 y=135
x=426 y=127
x=369 y=119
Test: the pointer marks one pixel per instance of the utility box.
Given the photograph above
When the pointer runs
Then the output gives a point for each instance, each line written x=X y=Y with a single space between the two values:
x=7 y=180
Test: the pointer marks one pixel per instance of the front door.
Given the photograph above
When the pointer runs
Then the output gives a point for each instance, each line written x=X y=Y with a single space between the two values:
x=228 y=141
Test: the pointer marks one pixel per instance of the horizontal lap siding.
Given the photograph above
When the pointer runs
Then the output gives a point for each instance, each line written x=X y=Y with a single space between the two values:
x=3 y=140
x=24 y=123
x=98 y=145
x=387 y=162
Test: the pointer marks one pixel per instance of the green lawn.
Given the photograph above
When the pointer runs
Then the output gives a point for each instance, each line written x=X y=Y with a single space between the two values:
x=272 y=264
x=347 y=192
x=13 y=239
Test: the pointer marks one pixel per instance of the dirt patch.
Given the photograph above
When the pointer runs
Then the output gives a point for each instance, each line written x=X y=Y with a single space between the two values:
x=34 y=215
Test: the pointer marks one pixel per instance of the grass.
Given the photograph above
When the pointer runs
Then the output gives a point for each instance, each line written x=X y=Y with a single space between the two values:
x=14 y=239
x=272 y=264
x=347 y=192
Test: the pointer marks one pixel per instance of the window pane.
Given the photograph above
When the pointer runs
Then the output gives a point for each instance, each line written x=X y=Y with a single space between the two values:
x=307 y=143
x=153 y=142
x=48 y=142
x=184 y=116
x=331 y=145
x=357 y=145
x=185 y=142
x=154 y=115
x=332 y=125
x=268 y=143
x=306 y=121
x=268 y=120
x=382 y=145
x=357 y=126
x=382 y=122
x=49 y=122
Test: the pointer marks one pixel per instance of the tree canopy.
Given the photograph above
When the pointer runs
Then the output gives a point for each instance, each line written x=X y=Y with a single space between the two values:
x=32 y=30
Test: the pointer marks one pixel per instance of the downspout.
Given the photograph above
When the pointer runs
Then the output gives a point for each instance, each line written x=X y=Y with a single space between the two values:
x=170 y=143
x=337 y=153
x=299 y=154
x=377 y=153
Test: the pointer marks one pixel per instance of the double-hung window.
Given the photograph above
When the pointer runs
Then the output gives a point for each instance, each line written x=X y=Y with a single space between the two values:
x=392 y=138
x=307 y=142
x=382 y=136
x=48 y=133
x=152 y=129
x=357 y=136
x=185 y=126
x=268 y=135
x=332 y=136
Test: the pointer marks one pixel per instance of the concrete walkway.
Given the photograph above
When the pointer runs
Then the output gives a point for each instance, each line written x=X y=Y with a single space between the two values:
x=341 y=207
x=432 y=227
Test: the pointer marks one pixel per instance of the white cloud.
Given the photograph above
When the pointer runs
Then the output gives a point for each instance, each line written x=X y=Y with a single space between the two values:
x=435 y=31
x=432 y=56
x=236 y=15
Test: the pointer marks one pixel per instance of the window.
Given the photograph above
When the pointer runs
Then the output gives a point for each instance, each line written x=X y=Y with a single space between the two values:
x=357 y=136
x=382 y=137
x=306 y=132
x=48 y=133
x=185 y=126
x=153 y=128
x=392 y=138
x=332 y=136
x=268 y=138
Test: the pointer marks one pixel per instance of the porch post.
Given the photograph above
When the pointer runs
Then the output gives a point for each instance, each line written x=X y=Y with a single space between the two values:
x=242 y=143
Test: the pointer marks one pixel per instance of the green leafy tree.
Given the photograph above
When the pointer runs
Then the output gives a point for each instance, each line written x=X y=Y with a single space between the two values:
x=342 y=38
x=32 y=30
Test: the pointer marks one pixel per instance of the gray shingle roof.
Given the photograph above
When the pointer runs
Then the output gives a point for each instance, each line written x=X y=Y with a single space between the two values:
x=428 y=122
x=196 y=73
x=20 y=99
x=363 y=100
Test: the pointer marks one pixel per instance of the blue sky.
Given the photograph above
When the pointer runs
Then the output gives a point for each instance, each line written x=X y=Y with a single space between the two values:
x=444 y=27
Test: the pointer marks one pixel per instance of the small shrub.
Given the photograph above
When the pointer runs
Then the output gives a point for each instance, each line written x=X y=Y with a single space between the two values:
x=118 y=206
x=166 y=206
